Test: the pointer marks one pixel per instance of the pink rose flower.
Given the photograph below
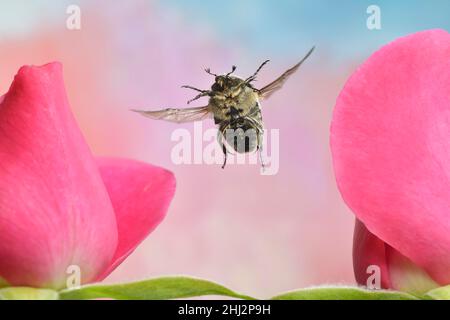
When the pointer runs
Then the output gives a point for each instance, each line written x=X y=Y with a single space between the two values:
x=59 y=206
x=390 y=139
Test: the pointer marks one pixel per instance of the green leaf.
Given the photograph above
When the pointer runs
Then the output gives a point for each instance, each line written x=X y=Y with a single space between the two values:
x=343 y=293
x=154 y=289
x=442 y=293
x=23 y=293
x=3 y=283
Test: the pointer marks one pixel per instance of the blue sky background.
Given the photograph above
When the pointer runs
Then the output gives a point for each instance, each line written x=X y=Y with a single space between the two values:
x=275 y=27
x=292 y=24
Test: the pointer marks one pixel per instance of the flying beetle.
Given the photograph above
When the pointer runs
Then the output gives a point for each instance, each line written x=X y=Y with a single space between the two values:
x=234 y=104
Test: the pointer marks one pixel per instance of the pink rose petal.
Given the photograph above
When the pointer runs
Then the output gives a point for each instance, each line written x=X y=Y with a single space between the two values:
x=369 y=251
x=141 y=194
x=54 y=208
x=391 y=148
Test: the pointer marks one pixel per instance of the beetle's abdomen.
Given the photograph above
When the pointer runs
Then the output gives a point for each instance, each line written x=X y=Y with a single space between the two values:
x=243 y=140
x=242 y=135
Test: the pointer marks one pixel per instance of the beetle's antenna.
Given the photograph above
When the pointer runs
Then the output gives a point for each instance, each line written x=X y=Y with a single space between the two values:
x=233 y=69
x=253 y=77
x=208 y=71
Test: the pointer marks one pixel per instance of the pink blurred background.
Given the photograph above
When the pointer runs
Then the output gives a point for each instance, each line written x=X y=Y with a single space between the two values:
x=256 y=234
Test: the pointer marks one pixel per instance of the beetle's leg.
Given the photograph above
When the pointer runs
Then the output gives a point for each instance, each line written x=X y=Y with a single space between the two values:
x=220 y=137
x=224 y=149
x=193 y=88
x=253 y=77
x=203 y=94
x=260 y=149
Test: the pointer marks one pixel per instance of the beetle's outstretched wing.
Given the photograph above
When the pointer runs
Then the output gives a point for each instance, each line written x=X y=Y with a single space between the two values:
x=178 y=115
x=271 y=88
